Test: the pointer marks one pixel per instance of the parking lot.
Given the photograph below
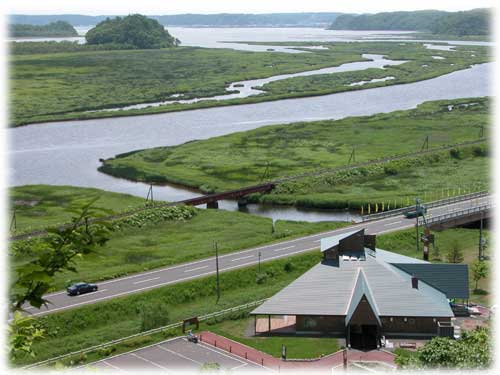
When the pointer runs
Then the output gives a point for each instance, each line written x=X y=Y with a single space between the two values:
x=173 y=355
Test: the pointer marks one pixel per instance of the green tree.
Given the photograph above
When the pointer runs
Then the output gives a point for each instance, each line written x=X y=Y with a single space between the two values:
x=479 y=271
x=455 y=254
x=33 y=277
x=136 y=31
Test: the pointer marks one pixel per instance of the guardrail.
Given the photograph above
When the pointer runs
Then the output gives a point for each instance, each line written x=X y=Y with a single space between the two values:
x=456 y=214
x=145 y=333
x=441 y=202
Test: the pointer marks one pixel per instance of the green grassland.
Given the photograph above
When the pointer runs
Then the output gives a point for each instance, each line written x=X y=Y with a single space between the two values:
x=155 y=245
x=58 y=86
x=97 y=323
x=297 y=347
x=271 y=152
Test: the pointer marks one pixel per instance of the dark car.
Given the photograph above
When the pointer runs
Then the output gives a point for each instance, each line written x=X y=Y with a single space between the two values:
x=80 y=288
x=422 y=210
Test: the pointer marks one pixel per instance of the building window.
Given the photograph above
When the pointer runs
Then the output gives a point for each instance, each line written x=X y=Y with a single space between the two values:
x=405 y=320
x=412 y=321
x=434 y=320
x=391 y=319
x=309 y=323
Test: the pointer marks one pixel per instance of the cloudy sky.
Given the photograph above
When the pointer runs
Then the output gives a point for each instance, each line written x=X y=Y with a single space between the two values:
x=96 y=7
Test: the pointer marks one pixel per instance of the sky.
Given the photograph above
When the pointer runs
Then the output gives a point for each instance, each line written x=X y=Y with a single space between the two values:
x=158 y=7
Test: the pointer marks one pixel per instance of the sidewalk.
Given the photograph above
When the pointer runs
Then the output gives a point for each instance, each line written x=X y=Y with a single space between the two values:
x=326 y=363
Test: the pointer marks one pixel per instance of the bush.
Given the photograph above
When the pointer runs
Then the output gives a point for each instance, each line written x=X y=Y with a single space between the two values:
x=154 y=316
x=261 y=278
x=288 y=267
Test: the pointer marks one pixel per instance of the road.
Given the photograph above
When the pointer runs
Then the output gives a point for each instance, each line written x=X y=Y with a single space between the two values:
x=187 y=271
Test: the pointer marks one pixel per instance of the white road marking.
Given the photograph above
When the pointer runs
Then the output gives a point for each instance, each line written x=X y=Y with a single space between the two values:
x=143 y=281
x=284 y=248
x=195 y=269
x=396 y=222
x=151 y=362
x=178 y=354
x=248 y=256
x=89 y=294
x=317 y=241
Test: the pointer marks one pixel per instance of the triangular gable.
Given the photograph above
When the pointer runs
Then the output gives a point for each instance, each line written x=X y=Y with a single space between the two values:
x=361 y=288
x=329 y=242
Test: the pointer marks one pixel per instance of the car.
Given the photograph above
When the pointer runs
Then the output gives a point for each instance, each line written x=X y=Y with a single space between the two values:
x=422 y=210
x=81 y=288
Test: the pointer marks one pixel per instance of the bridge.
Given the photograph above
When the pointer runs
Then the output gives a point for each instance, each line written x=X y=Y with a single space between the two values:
x=211 y=200
x=460 y=217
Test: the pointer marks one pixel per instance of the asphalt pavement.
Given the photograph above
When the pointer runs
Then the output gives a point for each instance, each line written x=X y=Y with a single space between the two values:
x=187 y=271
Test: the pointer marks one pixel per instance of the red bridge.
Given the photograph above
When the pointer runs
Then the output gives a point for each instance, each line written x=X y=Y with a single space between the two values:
x=211 y=200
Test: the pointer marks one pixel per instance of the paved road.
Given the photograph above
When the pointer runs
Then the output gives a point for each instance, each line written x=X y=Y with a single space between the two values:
x=187 y=271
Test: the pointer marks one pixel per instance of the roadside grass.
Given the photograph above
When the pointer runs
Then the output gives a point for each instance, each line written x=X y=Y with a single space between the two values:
x=89 y=325
x=156 y=245
x=271 y=152
x=296 y=347
x=63 y=86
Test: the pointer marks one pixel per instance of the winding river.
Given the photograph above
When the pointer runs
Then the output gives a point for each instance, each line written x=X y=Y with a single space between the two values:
x=67 y=153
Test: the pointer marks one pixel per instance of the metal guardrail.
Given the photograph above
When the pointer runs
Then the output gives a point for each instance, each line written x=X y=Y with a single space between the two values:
x=438 y=203
x=456 y=214
x=145 y=333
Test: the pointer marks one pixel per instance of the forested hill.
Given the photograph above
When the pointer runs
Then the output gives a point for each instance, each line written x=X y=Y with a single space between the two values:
x=472 y=22
x=222 y=19
x=53 y=29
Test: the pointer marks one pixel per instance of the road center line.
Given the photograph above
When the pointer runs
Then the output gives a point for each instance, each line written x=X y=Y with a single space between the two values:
x=284 y=248
x=394 y=223
x=91 y=294
x=234 y=260
x=196 y=269
x=143 y=281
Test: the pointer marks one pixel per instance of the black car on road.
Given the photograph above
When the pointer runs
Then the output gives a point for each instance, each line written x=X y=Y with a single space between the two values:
x=80 y=288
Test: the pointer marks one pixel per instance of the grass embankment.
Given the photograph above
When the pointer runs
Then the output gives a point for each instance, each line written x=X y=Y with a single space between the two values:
x=268 y=153
x=79 y=81
x=157 y=244
x=101 y=322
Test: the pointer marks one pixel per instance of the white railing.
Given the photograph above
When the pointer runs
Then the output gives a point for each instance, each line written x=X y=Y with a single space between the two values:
x=456 y=214
x=145 y=333
x=438 y=203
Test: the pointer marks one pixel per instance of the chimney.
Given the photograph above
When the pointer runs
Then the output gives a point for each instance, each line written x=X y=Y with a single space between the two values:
x=414 y=282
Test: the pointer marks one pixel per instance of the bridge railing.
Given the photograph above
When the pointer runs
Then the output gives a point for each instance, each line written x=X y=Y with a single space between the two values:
x=453 y=215
x=166 y=328
x=438 y=203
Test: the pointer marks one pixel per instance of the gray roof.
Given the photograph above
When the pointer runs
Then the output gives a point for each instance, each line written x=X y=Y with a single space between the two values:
x=329 y=242
x=361 y=289
x=328 y=289
x=451 y=279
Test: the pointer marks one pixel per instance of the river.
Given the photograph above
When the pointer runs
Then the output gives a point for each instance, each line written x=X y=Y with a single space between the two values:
x=68 y=152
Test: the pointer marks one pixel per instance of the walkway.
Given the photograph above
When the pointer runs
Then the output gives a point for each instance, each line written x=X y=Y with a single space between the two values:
x=326 y=363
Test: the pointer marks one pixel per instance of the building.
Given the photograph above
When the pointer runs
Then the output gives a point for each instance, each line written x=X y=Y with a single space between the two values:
x=363 y=293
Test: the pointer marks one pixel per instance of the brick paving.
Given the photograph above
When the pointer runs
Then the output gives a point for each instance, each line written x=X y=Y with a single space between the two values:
x=325 y=363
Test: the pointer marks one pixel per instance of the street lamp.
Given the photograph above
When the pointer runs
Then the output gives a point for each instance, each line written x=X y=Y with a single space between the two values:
x=259 y=261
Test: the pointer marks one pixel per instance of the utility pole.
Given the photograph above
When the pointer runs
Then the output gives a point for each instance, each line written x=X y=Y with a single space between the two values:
x=259 y=262
x=417 y=204
x=481 y=239
x=217 y=270
x=150 y=194
x=425 y=146
x=481 y=132
x=352 y=157
x=13 y=222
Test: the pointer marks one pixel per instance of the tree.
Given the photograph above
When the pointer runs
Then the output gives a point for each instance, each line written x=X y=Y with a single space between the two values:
x=42 y=259
x=455 y=254
x=472 y=350
x=135 y=30
x=479 y=271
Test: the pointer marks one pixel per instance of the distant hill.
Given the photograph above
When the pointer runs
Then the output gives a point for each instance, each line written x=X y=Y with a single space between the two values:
x=53 y=29
x=220 y=20
x=473 y=22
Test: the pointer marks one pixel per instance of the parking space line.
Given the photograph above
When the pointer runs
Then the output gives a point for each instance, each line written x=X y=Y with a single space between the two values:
x=150 y=362
x=143 y=281
x=195 y=269
x=178 y=354
x=248 y=256
x=91 y=294
x=113 y=366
